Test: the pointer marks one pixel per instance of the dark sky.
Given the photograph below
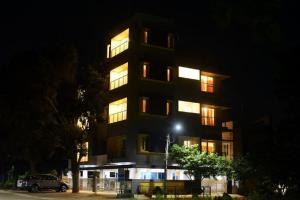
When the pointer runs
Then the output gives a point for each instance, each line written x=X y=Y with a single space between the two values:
x=239 y=38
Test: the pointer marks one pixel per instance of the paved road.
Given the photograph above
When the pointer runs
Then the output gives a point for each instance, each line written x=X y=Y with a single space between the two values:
x=49 y=195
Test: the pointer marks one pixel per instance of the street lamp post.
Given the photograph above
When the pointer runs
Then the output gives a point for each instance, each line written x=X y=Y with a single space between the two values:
x=177 y=128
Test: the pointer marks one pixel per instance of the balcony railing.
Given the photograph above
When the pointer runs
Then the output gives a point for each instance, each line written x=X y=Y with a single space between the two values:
x=119 y=116
x=118 y=82
x=119 y=49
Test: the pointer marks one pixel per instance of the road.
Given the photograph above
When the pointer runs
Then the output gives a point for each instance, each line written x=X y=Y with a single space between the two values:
x=49 y=195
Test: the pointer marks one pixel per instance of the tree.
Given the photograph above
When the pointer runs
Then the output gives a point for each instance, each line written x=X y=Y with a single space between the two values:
x=198 y=164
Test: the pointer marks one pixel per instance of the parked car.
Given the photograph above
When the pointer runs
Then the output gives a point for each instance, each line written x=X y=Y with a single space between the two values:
x=35 y=183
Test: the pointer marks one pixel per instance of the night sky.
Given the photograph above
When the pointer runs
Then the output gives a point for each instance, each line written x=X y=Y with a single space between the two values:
x=205 y=31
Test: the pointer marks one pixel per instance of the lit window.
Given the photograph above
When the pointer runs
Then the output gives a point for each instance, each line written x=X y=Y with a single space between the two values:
x=207 y=84
x=189 y=73
x=85 y=148
x=190 y=107
x=144 y=104
x=187 y=143
x=207 y=146
x=169 y=74
x=208 y=116
x=168 y=108
x=146 y=36
x=118 y=76
x=227 y=136
x=108 y=51
x=143 y=145
x=228 y=125
x=227 y=149
x=170 y=40
x=119 y=43
x=145 y=70
x=117 y=110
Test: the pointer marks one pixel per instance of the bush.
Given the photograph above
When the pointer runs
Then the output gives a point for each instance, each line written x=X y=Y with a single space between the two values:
x=8 y=184
x=226 y=197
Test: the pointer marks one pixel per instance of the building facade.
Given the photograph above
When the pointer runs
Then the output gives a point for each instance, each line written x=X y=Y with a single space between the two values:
x=150 y=92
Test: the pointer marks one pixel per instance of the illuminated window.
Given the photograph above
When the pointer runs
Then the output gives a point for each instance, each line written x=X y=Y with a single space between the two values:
x=190 y=107
x=144 y=104
x=189 y=73
x=118 y=76
x=228 y=125
x=207 y=146
x=227 y=136
x=145 y=70
x=108 y=51
x=187 y=143
x=119 y=43
x=170 y=40
x=145 y=36
x=208 y=116
x=207 y=84
x=143 y=143
x=169 y=74
x=168 y=107
x=85 y=157
x=227 y=149
x=117 y=110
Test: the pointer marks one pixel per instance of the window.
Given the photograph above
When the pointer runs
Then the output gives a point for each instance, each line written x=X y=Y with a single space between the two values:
x=117 y=110
x=116 y=147
x=118 y=76
x=228 y=125
x=119 y=43
x=227 y=136
x=108 y=51
x=189 y=73
x=143 y=143
x=207 y=146
x=145 y=70
x=208 y=116
x=168 y=107
x=207 y=84
x=169 y=74
x=190 y=107
x=227 y=145
x=227 y=149
x=144 y=104
x=170 y=40
x=145 y=38
x=85 y=157
x=187 y=143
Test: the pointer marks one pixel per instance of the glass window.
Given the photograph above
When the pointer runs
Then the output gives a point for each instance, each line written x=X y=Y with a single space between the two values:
x=227 y=136
x=190 y=107
x=208 y=116
x=228 y=125
x=227 y=149
x=117 y=110
x=187 y=143
x=189 y=73
x=207 y=146
x=207 y=84
x=145 y=39
x=168 y=107
x=118 y=76
x=145 y=70
x=119 y=43
x=169 y=74
x=143 y=145
x=144 y=104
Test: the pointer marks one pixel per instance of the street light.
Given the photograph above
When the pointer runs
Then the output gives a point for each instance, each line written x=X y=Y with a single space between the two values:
x=177 y=128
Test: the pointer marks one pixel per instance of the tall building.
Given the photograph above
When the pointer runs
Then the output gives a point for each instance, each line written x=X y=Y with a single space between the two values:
x=150 y=92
